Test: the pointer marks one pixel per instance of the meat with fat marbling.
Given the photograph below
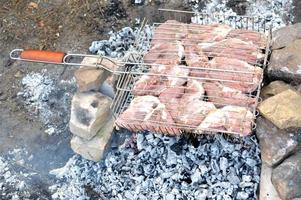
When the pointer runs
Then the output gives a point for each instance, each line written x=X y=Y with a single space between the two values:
x=147 y=113
x=206 y=33
x=222 y=95
x=235 y=74
x=160 y=78
x=165 y=53
x=255 y=37
x=233 y=48
x=229 y=118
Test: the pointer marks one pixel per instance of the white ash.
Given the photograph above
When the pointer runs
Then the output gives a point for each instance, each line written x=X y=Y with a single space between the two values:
x=162 y=167
x=15 y=179
x=48 y=99
x=276 y=13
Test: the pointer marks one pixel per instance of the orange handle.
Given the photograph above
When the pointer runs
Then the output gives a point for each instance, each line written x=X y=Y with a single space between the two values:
x=43 y=55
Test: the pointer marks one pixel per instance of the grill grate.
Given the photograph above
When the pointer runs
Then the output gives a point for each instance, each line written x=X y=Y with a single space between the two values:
x=217 y=78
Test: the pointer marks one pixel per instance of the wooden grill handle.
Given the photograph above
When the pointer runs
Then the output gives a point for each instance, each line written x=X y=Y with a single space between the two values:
x=43 y=55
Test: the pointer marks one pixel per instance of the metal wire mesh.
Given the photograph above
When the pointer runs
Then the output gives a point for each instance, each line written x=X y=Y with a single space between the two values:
x=164 y=71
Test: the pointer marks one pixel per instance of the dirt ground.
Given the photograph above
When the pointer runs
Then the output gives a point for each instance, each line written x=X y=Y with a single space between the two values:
x=66 y=25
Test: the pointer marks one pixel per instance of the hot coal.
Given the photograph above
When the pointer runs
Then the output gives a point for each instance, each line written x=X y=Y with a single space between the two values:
x=157 y=167
x=117 y=44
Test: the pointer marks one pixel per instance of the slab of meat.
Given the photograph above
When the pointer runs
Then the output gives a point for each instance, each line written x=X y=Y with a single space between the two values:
x=193 y=112
x=165 y=53
x=188 y=108
x=194 y=89
x=245 y=77
x=206 y=33
x=229 y=118
x=233 y=48
x=165 y=76
x=147 y=113
x=221 y=95
x=255 y=37
x=170 y=31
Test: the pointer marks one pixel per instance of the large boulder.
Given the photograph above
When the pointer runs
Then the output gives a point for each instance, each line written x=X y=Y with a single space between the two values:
x=274 y=88
x=284 y=36
x=267 y=189
x=275 y=144
x=94 y=148
x=286 y=177
x=91 y=78
x=89 y=112
x=285 y=63
x=283 y=109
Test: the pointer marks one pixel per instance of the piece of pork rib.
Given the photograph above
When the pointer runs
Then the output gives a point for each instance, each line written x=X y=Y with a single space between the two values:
x=165 y=53
x=170 y=31
x=233 y=48
x=222 y=95
x=160 y=78
x=255 y=37
x=147 y=113
x=229 y=118
x=245 y=77
x=206 y=33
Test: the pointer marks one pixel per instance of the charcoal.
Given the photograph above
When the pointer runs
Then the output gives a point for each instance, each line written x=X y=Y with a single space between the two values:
x=242 y=195
x=172 y=166
x=223 y=165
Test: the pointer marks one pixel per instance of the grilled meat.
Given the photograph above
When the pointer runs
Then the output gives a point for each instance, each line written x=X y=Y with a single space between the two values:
x=163 y=77
x=254 y=37
x=244 y=76
x=233 y=48
x=229 y=118
x=165 y=53
x=221 y=95
x=149 y=113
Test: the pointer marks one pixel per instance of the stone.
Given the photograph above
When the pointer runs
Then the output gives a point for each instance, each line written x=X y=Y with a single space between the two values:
x=286 y=177
x=274 y=88
x=285 y=64
x=91 y=78
x=267 y=189
x=275 y=144
x=89 y=112
x=284 y=36
x=283 y=109
x=95 y=148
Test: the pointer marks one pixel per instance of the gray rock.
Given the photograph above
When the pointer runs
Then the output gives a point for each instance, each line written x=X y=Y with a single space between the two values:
x=94 y=148
x=285 y=63
x=286 y=35
x=275 y=144
x=286 y=177
x=89 y=112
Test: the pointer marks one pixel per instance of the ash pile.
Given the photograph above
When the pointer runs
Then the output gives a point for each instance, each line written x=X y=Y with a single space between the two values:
x=162 y=167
